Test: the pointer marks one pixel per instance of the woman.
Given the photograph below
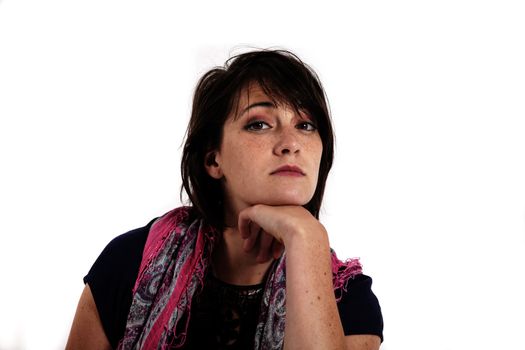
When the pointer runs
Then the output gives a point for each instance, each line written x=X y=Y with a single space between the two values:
x=248 y=264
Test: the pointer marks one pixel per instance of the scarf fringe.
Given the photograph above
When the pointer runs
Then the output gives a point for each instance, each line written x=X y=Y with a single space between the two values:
x=342 y=272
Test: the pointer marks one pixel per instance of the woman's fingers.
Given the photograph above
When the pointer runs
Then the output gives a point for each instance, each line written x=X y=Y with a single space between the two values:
x=268 y=229
x=244 y=226
x=251 y=230
x=264 y=216
x=265 y=247
x=277 y=249
x=250 y=233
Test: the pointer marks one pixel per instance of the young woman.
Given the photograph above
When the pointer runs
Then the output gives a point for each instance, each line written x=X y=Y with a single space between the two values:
x=248 y=264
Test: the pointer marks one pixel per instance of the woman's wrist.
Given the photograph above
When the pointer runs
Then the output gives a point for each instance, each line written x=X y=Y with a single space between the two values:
x=310 y=238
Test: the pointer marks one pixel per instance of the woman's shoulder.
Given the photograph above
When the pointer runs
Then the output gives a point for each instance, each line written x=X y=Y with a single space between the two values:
x=130 y=241
x=112 y=277
x=126 y=247
x=359 y=308
x=361 y=283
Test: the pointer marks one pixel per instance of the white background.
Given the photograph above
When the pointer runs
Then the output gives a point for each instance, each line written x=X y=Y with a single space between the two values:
x=428 y=186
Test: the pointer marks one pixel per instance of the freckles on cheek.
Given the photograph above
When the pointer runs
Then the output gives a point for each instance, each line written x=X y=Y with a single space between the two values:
x=249 y=146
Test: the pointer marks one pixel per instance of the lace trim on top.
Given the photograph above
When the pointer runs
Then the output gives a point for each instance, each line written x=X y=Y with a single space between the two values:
x=225 y=315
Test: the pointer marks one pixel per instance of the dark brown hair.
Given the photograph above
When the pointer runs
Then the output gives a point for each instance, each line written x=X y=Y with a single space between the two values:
x=284 y=78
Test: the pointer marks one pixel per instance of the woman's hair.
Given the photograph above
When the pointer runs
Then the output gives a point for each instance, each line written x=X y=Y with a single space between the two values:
x=284 y=78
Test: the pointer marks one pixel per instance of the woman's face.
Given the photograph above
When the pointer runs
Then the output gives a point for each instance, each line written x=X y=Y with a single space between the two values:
x=269 y=154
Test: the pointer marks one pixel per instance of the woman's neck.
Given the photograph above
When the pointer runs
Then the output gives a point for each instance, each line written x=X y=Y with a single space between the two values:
x=231 y=264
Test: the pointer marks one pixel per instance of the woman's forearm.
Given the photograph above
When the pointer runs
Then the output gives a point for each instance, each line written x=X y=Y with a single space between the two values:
x=312 y=318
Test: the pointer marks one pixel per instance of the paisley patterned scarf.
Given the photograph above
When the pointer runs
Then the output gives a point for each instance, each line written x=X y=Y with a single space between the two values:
x=176 y=257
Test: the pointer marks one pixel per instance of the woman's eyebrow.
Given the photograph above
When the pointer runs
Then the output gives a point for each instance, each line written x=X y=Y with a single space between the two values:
x=266 y=104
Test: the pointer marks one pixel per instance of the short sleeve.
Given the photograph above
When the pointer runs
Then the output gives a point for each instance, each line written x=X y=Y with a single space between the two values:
x=359 y=308
x=112 y=277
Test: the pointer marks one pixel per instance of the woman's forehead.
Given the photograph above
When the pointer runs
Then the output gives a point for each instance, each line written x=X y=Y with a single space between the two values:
x=253 y=94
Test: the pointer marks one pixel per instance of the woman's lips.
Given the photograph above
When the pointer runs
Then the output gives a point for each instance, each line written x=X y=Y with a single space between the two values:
x=288 y=170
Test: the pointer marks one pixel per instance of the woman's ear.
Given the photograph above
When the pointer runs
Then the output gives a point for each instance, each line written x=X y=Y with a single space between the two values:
x=212 y=167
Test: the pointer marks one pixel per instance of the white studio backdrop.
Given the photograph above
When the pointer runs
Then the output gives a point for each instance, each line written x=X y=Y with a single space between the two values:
x=428 y=186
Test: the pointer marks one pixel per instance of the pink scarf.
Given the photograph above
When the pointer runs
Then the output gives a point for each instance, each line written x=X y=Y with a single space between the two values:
x=176 y=257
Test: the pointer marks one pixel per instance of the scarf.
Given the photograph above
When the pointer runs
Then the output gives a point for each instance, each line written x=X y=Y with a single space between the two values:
x=175 y=260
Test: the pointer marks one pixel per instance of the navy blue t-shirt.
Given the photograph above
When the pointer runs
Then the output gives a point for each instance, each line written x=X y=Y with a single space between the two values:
x=113 y=275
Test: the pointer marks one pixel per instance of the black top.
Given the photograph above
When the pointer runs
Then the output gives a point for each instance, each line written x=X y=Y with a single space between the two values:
x=223 y=316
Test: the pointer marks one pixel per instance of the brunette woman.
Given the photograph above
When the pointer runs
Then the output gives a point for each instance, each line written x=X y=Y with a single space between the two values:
x=247 y=265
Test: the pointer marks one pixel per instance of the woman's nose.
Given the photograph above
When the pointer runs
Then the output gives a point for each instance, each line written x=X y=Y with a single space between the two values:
x=287 y=143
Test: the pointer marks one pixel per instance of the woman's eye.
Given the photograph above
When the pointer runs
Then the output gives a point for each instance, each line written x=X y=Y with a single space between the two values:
x=307 y=126
x=257 y=126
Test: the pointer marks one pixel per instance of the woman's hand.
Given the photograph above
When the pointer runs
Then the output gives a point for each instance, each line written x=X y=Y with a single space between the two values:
x=312 y=318
x=268 y=229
